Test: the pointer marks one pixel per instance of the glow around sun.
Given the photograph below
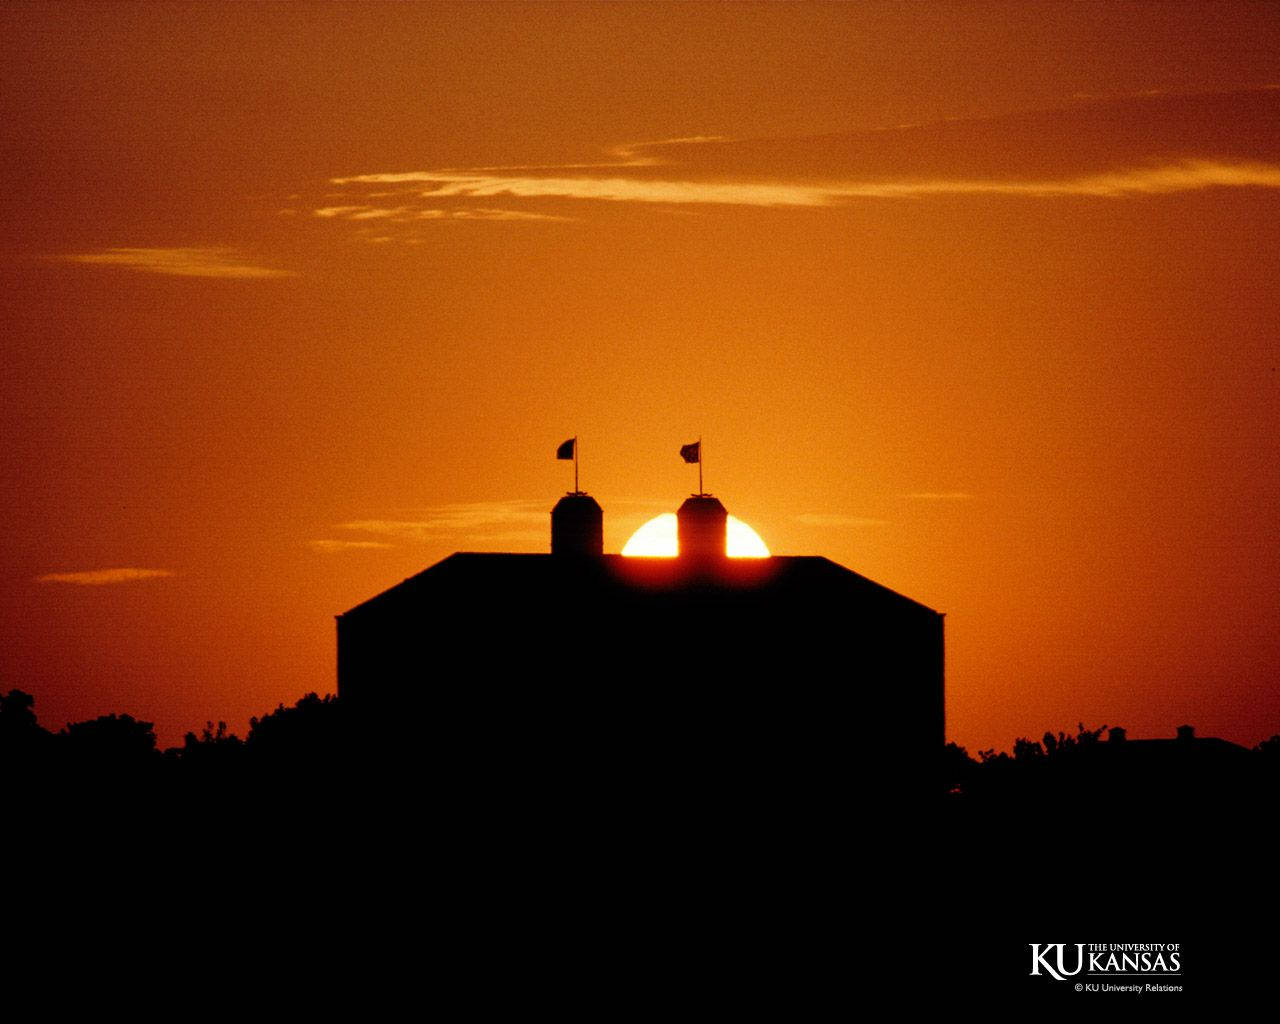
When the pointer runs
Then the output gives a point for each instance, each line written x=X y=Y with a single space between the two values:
x=657 y=539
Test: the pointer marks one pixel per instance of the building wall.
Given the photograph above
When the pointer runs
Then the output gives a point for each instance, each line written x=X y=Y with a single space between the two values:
x=814 y=693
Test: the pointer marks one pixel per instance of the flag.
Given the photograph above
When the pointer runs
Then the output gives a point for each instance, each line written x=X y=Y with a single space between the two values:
x=565 y=451
x=691 y=452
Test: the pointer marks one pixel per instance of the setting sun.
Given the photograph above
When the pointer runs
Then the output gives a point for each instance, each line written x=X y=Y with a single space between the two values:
x=657 y=539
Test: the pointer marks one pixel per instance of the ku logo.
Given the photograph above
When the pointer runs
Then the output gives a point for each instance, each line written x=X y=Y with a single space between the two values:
x=1053 y=958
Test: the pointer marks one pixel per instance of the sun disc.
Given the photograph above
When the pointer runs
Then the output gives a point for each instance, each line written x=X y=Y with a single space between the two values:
x=658 y=538
x=743 y=542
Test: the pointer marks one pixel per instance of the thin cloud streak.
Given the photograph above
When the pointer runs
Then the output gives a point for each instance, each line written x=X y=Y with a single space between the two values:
x=103 y=577
x=180 y=262
x=333 y=546
x=483 y=213
x=1183 y=176
x=940 y=496
x=408 y=214
x=481 y=186
x=515 y=518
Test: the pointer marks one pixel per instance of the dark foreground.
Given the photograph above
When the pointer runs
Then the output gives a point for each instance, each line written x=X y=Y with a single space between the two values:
x=611 y=877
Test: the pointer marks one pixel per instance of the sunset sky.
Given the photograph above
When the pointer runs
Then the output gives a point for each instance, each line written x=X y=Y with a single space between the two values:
x=978 y=300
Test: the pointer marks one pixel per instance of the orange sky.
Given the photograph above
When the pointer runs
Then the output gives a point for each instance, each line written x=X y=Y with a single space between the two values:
x=977 y=300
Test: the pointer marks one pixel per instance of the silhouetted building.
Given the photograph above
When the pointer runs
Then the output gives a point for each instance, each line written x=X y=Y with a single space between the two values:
x=1182 y=775
x=1172 y=764
x=792 y=675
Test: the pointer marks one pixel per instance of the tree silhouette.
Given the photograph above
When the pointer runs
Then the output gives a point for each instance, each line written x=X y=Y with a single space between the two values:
x=21 y=737
x=17 y=713
x=213 y=750
x=110 y=741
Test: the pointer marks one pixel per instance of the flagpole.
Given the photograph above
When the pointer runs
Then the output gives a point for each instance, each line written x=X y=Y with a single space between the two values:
x=701 y=492
x=575 y=464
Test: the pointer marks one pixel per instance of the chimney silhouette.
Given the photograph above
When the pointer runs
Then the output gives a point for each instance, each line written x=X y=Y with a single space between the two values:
x=702 y=526
x=577 y=526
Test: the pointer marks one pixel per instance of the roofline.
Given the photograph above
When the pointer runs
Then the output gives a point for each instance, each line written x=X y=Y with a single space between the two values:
x=614 y=557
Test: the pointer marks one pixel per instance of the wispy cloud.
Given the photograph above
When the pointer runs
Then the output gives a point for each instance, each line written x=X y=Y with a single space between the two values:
x=1183 y=176
x=826 y=519
x=332 y=546
x=939 y=496
x=486 y=213
x=102 y=577
x=409 y=214
x=181 y=262
x=1180 y=176
x=478 y=521
x=615 y=189
x=639 y=154
x=366 y=212
x=1126 y=146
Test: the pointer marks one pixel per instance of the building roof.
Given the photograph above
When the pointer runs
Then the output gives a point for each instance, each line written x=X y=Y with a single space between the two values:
x=506 y=578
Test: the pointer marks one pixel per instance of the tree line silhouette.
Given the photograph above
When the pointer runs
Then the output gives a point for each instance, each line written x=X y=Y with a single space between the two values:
x=309 y=729
x=317 y=737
